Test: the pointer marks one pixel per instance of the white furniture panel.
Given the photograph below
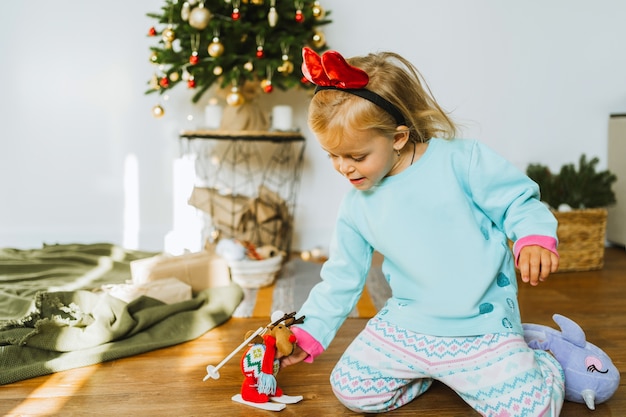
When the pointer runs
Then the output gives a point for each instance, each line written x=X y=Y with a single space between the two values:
x=616 y=221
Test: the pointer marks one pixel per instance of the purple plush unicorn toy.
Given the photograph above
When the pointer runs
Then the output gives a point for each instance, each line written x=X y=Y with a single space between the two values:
x=590 y=376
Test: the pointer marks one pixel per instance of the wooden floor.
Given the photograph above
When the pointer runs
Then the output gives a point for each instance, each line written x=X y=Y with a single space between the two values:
x=168 y=382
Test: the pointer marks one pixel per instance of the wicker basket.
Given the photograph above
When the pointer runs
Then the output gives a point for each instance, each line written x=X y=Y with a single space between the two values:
x=255 y=274
x=581 y=239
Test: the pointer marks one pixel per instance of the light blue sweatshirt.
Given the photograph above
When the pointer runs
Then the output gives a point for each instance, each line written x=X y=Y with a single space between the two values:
x=442 y=226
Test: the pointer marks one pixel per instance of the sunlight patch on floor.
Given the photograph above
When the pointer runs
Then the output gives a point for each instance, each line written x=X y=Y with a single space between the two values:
x=49 y=398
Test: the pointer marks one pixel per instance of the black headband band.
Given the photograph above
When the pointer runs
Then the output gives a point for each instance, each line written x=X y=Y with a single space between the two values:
x=372 y=97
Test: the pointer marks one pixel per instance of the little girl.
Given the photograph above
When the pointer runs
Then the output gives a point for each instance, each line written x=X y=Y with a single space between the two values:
x=441 y=211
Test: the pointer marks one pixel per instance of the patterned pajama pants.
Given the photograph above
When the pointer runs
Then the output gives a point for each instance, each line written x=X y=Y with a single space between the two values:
x=498 y=375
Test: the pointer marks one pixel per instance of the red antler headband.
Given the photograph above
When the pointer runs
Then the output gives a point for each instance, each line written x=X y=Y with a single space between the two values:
x=331 y=72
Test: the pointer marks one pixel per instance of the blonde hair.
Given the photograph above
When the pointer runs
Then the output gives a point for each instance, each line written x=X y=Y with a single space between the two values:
x=394 y=78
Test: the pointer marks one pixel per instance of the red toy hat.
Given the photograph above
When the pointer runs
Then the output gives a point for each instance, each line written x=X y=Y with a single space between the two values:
x=267 y=381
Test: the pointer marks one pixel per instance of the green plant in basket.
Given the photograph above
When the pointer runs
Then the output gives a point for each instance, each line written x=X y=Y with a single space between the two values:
x=579 y=187
x=579 y=197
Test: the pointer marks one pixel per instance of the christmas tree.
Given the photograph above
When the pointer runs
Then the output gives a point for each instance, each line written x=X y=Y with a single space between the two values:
x=233 y=42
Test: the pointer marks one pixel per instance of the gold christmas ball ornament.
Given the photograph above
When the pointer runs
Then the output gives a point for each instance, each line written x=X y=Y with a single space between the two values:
x=318 y=11
x=218 y=70
x=216 y=48
x=286 y=67
x=319 y=39
x=248 y=66
x=168 y=35
x=157 y=111
x=174 y=76
x=199 y=17
x=234 y=98
x=154 y=57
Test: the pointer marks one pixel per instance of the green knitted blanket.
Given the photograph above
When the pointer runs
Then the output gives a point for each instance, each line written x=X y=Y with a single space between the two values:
x=51 y=320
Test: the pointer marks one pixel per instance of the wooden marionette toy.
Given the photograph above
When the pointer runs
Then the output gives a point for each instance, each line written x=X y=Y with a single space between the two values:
x=260 y=363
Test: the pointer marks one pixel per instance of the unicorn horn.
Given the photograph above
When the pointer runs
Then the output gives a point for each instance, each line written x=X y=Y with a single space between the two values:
x=589 y=396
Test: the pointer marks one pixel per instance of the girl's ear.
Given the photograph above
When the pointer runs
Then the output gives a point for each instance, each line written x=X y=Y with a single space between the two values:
x=401 y=137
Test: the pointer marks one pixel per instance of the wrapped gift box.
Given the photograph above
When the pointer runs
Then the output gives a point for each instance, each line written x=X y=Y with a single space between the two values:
x=225 y=209
x=201 y=270
x=168 y=290
x=263 y=220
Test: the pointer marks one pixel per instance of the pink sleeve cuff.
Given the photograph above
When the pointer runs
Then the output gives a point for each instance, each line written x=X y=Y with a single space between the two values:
x=546 y=242
x=307 y=343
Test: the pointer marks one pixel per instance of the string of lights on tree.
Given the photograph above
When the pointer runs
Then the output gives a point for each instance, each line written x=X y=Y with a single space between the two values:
x=232 y=42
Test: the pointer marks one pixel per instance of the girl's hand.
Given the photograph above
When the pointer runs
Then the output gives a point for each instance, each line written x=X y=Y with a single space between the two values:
x=297 y=356
x=536 y=263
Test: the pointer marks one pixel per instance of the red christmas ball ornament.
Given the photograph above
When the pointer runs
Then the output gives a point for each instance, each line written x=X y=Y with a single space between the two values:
x=299 y=16
x=268 y=87
x=152 y=31
x=259 y=52
x=235 y=15
x=191 y=83
x=164 y=82
x=193 y=59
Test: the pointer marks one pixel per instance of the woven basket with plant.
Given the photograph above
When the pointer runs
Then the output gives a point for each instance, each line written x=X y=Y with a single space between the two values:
x=578 y=197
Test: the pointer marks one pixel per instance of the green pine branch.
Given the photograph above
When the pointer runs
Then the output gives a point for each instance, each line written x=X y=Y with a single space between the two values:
x=579 y=187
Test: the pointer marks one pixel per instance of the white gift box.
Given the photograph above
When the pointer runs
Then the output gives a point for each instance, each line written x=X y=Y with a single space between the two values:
x=201 y=270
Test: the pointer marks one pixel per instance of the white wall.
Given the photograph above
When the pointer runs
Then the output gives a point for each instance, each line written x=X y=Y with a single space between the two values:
x=536 y=80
